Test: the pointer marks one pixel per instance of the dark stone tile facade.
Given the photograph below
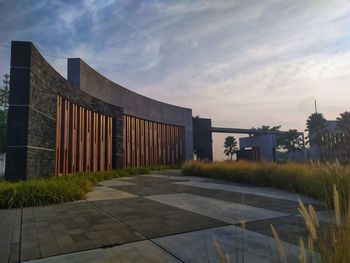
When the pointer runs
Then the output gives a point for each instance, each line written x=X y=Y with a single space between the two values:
x=34 y=88
x=202 y=139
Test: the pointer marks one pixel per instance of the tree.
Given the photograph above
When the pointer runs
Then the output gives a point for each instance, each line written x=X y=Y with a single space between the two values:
x=230 y=146
x=4 y=104
x=343 y=122
x=4 y=92
x=267 y=128
x=292 y=142
x=315 y=126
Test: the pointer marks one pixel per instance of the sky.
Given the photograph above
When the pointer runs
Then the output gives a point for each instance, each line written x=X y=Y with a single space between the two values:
x=242 y=63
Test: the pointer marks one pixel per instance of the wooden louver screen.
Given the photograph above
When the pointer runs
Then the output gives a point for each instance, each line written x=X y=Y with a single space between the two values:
x=83 y=139
x=151 y=143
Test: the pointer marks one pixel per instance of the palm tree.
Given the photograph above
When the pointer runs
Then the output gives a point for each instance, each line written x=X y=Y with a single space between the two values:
x=292 y=142
x=316 y=126
x=343 y=122
x=230 y=146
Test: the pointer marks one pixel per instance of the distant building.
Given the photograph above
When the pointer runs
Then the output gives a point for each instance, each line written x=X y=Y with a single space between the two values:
x=258 y=148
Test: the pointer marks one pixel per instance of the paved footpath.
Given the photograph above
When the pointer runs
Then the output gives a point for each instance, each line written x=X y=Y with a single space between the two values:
x=160 y=217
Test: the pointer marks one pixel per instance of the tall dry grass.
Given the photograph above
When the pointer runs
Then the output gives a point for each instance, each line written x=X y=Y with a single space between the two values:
x=329 y=183
x=334 y=239
x=312 y=179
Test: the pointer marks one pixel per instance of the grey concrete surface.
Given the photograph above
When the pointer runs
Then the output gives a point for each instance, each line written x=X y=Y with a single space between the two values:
x=240 y=245
x=142 y=251
x=260 y=191
x=173 y=221
x=114 y=182
x=105 y=193
x=179 y=177
x=231 y=213
x=10 y=231
x=327 y=216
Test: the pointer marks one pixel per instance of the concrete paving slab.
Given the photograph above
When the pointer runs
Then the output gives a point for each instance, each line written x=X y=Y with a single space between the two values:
x=105 y=193
x=69 y=227
x=154 y=219
x=126 y=178
x=289 y=228
x=169 y=171
x=10 y=225
x=142 y=251
x=226 y=211
x=178 y=177
x=146 y=186
x=261 y=191
x=239 y=244
x=327 y=216
x=115 y=182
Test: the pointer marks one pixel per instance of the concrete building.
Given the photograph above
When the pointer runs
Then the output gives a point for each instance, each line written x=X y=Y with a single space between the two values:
x=258 y=148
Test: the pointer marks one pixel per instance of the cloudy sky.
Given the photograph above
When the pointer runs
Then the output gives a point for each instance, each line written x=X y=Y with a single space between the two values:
x=242 y=63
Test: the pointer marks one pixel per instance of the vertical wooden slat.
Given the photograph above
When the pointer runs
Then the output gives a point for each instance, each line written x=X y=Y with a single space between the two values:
x=159 y=128
x=181 y=143
x=124 y=142
x=95 y=142
x=163 y=144
x=81 y=138
x=137 y=142
x=102 y=142
x=150 y=130
x=58 y=135
x=132 y=141
x=66 y=137
x=128 y=134
x=110 y=141
x=146 y=144
x=73 y=140
x=168 y=144
x=142 y=148
x=154 y=129
x=176 y=144
x=88 y=141
x=172 y=146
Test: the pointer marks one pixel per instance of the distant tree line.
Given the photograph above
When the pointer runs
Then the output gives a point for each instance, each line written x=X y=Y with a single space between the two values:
x=4 y=105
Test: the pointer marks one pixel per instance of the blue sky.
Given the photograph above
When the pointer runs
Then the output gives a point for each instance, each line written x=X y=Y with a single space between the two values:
x=242 y=63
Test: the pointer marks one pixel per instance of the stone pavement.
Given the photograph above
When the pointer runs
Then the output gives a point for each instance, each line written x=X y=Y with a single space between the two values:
x=161 y=217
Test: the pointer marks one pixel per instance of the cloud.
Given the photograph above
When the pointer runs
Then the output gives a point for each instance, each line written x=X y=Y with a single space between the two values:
x=242 y=63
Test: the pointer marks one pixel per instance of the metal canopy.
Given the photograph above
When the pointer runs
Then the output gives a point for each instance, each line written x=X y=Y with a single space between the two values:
x=245 y=131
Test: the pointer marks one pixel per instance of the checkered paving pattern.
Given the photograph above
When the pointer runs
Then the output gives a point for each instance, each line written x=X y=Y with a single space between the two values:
x=70 y=227
x=139 y=212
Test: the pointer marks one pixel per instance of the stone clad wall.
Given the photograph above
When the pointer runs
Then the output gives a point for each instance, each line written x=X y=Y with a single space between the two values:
x=34 y=86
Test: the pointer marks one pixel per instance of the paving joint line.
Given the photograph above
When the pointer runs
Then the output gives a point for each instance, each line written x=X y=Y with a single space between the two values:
x=258 y=220
x=135 y=231
x=20 y=237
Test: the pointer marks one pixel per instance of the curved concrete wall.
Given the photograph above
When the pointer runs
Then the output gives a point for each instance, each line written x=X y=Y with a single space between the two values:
x=87 y=79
